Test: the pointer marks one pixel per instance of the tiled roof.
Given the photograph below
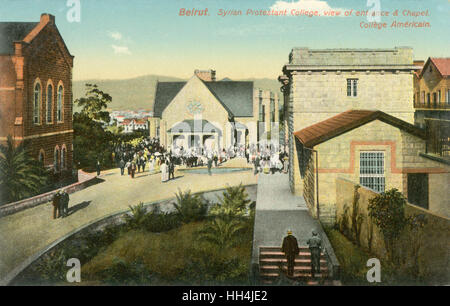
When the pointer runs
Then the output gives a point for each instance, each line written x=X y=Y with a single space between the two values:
x=236 y=97
x=11 y=32
x=347 y=121
x=442 y=64
x=165 y=92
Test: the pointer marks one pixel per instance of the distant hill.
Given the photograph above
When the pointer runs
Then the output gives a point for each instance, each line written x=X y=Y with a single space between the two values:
x=139 y=93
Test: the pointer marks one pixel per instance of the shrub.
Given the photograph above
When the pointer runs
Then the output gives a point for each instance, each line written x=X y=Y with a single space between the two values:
x=137 y=218
x=122 y=272
x=158 y=222
x=233 y=204
x=212 y=266
x=190 y=207
x=221 y=233
x=387 y=210
x=51 y=268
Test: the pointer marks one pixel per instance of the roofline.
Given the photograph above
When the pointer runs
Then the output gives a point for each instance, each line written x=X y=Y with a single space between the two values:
x=300 y=67
x=431 y=59
x=376 y=115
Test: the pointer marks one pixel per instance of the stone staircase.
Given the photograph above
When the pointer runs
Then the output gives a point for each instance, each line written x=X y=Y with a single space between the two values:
x=271 y=258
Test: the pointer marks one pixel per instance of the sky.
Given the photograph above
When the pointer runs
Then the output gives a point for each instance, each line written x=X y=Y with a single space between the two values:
x=119 y=39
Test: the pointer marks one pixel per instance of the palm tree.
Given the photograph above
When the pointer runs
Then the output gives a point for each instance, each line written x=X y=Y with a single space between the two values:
x=221 y=233
x=233 y=204
x=21 y=176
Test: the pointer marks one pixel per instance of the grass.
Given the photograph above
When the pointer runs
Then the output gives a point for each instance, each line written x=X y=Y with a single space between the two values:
x=352 y=259
x=171 y=258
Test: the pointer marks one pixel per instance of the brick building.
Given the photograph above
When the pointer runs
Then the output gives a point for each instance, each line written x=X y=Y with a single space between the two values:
x=36 y=90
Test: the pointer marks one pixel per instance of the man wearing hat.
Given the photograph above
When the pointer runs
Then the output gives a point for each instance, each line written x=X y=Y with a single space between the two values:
x=315 y=246
x=290 y=249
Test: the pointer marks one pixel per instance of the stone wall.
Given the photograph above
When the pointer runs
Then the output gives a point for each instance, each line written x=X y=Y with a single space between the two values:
x=84 y=180
x=433 y=239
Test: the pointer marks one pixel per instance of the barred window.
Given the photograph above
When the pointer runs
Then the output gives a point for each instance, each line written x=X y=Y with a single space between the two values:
x=371 y=170
x=352 y=85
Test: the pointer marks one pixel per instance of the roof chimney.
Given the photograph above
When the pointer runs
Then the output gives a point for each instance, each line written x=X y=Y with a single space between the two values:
x=206 y=75
x=47 y=18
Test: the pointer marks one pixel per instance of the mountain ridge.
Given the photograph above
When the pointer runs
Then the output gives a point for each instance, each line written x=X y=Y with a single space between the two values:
x=139 y=92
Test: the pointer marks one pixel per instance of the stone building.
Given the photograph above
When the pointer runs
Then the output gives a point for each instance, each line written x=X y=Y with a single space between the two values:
x=36 y=90
x=134 y=124
x=319 y=84
x=212 y=114
x=432 y=91
x=375 y=150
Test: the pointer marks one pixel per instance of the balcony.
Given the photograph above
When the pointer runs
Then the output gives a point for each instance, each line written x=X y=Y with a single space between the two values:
x=432 y=105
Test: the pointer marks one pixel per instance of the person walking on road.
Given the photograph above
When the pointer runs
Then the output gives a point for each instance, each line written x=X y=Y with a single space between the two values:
x=290 y=249
x=98 y=167
x=210 y=161
x=121 y=166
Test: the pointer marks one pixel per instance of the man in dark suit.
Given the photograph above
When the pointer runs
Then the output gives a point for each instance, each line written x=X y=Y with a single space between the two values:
x=290 y=249
x=56 y=205
x=171 y=168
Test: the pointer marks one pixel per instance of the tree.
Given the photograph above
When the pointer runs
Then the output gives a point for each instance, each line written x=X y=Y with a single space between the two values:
x=94 y=104
x=387 y=210
x=91 y=141
x=21 y=176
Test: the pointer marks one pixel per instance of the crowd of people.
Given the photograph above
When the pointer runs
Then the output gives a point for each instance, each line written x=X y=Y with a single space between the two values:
x=150 y=155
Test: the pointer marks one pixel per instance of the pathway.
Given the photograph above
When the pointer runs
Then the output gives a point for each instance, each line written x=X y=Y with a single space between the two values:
x=278 y=210
x=27 y=232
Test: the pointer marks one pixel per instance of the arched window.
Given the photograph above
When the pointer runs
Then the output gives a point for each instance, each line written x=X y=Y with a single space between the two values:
x=56 y=160
x=63 y=157
x=37 y=103
x=41 y=156
x=49 y=103
x=60 y=103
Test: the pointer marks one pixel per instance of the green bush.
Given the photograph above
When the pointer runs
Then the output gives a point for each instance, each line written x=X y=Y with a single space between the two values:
x=221 y=233
x=387 y=211
x=233 y=204
x=122 y=272
x=157 y=222
x=137 y=218
x=50 y=269
x=212 y=266
x=190 y=207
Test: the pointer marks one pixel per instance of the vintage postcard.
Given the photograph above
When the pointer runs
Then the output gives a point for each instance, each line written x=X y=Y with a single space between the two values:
x=272 y=143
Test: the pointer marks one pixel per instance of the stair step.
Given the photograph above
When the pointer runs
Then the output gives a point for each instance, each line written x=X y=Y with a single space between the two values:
x=282 y=255
x=276 y=267
x=296 y=274
x=284 y=261
x=277 y=248
x=296 y=268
